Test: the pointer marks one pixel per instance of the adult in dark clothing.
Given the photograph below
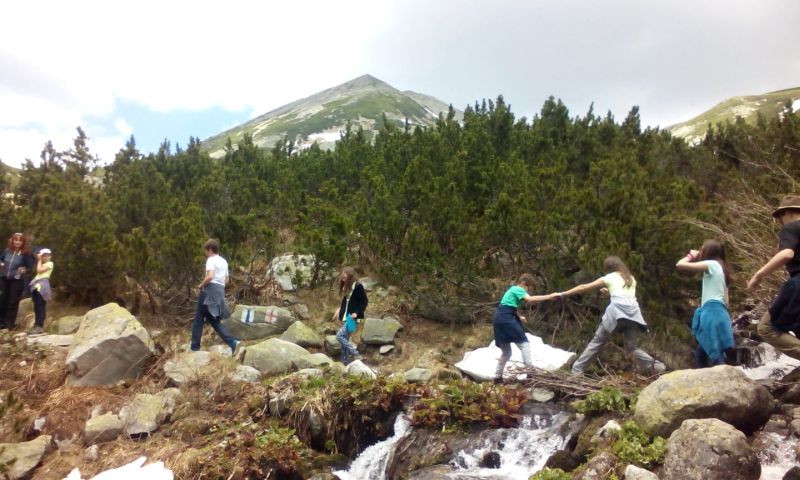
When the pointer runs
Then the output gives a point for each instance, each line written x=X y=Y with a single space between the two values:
x=354 y=303
x=783 y=315
x=15 y=262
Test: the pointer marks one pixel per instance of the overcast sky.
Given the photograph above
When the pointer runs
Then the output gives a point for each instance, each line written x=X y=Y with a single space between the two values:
x=171 y=69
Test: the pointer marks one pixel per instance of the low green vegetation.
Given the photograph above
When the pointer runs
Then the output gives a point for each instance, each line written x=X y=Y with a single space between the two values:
x=634 y=445
x=609 y=399
x=551 y=474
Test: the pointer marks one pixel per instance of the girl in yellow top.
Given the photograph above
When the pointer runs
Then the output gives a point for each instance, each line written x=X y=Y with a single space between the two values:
x=622 y=315
x=40 y=288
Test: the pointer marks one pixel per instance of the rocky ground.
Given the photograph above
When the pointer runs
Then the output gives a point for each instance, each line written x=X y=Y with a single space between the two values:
x=103 y=388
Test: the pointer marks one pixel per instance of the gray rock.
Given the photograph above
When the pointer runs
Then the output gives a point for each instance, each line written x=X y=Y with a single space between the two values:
x=632 y=472
x=332 y=345
x=542 y=395
x=792 y=474
x=25 y=314
x=314 y=360
x=301 y=311
x=359 y=369
x=794 y=427
x=52 y=340
x=92 y=453
x=110 y=346
x=300 y=334
x=380 y=331
x=67 y=325
x=606 y=433
x=369 y=283
x=598 y=466
x=385 y=349
x=146 y=412
x=25 y=456
x=307 y=373
x=275 y=356
x=246 y=374
x=187 y=365
x=722 y=392
x=287 y=268
x=709 y=449
x=256 y=322
x=417 y=375
x=102 y=428
x=220 y=349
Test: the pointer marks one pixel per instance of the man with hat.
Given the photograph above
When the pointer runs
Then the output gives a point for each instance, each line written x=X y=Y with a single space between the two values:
x=783 y=315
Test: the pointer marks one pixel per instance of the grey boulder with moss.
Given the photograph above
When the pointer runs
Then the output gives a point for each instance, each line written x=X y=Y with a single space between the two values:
x=301 y=334
x=380 y=331
x=111 y=345
x=103 y=428
x=276 y=356
x=332 y=345
x=67 y=325
x=709 y=449
x=187 y=365
x=248 y=322
x=21 y=458
x=721 y=392
x=146 y=412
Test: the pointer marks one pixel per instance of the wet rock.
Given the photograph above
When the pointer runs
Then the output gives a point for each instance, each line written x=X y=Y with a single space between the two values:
x=187 y=365
x=563 y=459
x=102 y=428
x=417 y=375
x=380 y=331
x=299 y=333
x=792 y=474
x=709 y=449
x=792 y=394
x=598 y=467
x=110 y=346
x=275 y=356
x=146 y=412
x=794 y=428
x=542 y=395
x=246 y=374
x=490 y=459
x=632 y=472
x=22 y=458
x=721 y=392
x=332 y=345
x=249 y=322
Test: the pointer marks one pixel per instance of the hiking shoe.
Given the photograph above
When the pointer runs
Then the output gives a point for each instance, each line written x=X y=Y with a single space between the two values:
x=238 y=351
x=35 y=331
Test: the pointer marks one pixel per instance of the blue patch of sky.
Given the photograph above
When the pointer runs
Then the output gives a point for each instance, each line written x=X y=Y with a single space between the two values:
x=151 y=128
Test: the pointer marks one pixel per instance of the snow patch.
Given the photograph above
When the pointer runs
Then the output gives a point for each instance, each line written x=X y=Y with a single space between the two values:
x=135 y=469
x=480 y=364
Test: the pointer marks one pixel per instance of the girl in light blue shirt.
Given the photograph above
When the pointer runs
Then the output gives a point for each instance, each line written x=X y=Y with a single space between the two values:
x=711 y=324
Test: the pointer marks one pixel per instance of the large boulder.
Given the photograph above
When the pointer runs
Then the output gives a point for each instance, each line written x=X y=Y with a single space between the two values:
x=380 y=331
x=709 y=449
x=146 y=412
x=111 y=345
x=332 y=345
x=722 y=392
x=23 y=457
x=286 y=270
x=256 y=322
x=275 y=356
x=246 y=374
x=302 y=335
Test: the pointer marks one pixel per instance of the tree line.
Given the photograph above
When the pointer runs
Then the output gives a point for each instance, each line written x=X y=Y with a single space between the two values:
x=451 y=212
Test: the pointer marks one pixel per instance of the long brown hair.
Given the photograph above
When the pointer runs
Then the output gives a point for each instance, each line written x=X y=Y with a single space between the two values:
x=26 y=248
x=615 y=264
x=714 y=250
x=347 y=284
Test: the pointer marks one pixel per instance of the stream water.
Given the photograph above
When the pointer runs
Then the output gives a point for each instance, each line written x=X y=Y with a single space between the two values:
x=522 y=451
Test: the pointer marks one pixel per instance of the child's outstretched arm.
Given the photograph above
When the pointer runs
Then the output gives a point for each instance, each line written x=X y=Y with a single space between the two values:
x=779 y=260
x=586 y=287
x=539 y=298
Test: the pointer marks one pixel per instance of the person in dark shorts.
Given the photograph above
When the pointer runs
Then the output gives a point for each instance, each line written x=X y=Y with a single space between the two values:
x=783 y=317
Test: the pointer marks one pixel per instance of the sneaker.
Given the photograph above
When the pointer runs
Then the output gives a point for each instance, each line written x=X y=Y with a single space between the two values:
x=35 y=331
x=238 y=351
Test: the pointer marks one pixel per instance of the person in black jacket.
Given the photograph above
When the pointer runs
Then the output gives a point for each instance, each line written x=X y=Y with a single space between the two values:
x=15 y=263
x=354 y=303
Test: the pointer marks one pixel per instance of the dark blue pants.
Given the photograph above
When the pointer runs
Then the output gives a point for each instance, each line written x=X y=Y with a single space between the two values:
x=39 y=308
x=10 y=294
x=201 y=316
x=701 y=359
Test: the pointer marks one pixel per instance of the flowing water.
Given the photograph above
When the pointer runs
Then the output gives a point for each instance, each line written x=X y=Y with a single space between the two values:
x=522 y=451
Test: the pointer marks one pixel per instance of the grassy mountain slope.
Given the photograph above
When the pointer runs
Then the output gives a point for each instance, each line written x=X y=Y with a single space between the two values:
x=747 y=107
x=319 y=118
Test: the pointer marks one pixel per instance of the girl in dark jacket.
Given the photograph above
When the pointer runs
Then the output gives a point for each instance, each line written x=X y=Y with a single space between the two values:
x=15 y=262
x=354 y=302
